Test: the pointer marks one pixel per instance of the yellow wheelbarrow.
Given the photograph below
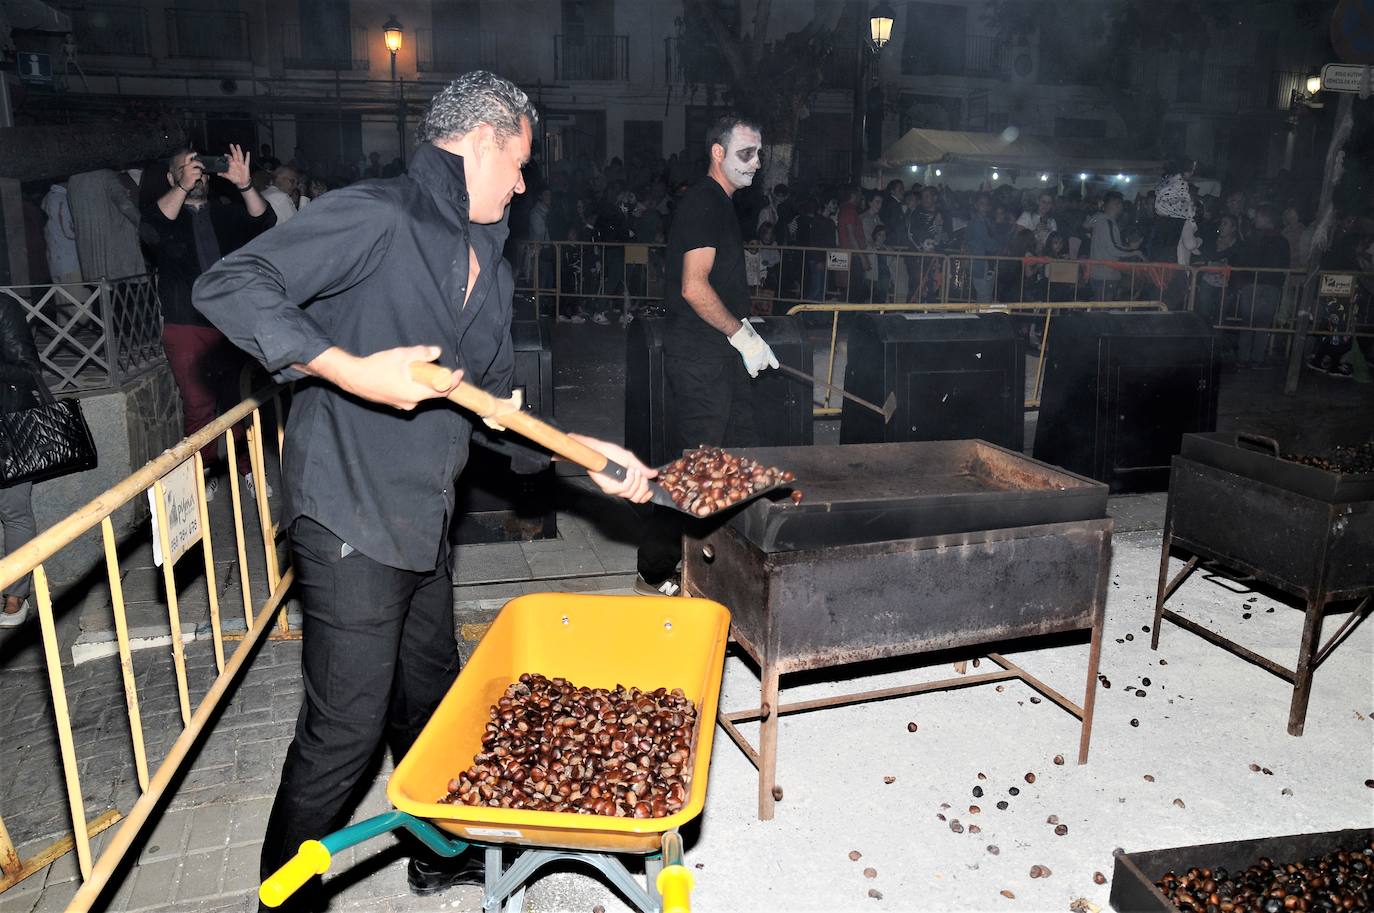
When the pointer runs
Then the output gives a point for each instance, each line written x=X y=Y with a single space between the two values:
x=597 y=641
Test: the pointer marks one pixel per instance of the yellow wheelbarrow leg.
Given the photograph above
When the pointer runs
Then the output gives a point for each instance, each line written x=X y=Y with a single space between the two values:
x=675 y=881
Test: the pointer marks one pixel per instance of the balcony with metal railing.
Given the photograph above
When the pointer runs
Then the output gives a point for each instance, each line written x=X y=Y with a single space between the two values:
x=455 y=50
x=977 y=55
x=208 y=34
x=986 y=55
x=109 y=28
x=312 y=55
x=1235 y=88
x=601 y=58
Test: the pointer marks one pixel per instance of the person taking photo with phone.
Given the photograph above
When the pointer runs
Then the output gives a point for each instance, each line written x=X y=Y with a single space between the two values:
x=189 y=230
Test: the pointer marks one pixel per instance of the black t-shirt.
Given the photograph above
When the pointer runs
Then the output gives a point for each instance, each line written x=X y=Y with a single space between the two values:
x=705 y=217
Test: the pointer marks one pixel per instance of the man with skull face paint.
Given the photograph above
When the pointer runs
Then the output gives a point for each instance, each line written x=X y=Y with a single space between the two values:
x=710 y=350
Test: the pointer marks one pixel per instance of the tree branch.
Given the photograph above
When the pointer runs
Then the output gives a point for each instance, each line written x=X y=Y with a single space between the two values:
x=762 y=13
x=728 y=43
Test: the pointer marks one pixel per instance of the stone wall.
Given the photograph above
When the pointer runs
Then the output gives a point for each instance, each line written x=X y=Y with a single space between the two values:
x=131 y=425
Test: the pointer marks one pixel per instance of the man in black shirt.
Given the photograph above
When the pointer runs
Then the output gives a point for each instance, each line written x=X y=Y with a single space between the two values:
x=362 y=284
x=189 y=231
x=710 y=350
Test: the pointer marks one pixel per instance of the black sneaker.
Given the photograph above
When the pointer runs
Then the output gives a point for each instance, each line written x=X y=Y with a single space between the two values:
x=435 y=874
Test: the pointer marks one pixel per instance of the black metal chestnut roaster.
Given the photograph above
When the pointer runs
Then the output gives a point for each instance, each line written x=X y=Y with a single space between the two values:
x=1121 y=390
x=1343 y=854
x=1309 y=532
x=954 y=377
x=782 y=405
x=899 y=549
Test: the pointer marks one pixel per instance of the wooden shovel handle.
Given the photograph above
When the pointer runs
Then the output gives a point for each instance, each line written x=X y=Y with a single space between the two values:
x=484 y=404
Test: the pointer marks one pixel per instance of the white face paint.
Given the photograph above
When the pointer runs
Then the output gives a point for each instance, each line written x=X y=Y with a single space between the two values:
x=742 y=157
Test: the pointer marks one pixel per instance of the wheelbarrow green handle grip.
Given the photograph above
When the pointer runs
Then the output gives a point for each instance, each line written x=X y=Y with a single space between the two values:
x=310 y=860
x=314 y=855
x=675 y=888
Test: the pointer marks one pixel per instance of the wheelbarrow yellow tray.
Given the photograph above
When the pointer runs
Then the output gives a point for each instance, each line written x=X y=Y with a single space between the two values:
x=595 y=641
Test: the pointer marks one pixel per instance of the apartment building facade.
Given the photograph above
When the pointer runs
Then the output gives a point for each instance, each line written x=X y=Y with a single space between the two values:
x=610 y=79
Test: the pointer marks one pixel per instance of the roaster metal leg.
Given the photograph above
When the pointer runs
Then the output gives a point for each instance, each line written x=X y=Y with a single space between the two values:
x=1104 y=570
x=1302 y=679
x=1163 y=575
x=768 y=739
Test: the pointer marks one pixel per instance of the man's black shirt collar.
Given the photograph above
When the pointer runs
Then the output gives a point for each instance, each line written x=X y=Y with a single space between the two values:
x=441 y=173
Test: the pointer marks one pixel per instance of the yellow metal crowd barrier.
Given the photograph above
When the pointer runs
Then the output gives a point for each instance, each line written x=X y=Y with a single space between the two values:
x=154 y=775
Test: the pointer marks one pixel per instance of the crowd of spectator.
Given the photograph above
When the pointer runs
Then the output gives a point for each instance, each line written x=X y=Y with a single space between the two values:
x=903 y=242
x=911 y=243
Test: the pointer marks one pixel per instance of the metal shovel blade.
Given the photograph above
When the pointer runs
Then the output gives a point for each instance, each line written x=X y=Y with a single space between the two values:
x=661 y=497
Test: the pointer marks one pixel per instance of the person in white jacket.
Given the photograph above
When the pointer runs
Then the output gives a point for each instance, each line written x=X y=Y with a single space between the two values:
x=278 y=194
x=60 y=234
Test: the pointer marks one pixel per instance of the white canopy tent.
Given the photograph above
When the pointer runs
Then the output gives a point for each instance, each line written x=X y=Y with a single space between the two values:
x=967 y=160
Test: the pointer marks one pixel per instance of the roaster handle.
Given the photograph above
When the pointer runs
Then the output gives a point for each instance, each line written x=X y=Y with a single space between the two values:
x=1260 y=439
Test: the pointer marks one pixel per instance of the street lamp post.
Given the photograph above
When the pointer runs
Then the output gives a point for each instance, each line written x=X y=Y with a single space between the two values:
x=879 y=33
x=1302 y=97
x=391 y=33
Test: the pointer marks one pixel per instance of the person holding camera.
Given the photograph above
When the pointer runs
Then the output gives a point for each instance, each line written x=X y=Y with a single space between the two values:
x=189 y=230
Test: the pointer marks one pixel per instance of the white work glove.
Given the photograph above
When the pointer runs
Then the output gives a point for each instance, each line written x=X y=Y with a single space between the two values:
x=755 y=352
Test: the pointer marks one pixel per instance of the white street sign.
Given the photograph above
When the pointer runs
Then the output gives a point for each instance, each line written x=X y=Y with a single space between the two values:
x=1343 y=77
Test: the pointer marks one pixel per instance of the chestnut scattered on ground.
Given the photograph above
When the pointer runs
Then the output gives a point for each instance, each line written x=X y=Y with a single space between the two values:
x=552 y=746
x=708 y=479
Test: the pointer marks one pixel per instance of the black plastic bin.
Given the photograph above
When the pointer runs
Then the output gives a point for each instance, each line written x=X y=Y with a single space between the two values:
x=954 y=376
x=494 y=504
x=1121 y=390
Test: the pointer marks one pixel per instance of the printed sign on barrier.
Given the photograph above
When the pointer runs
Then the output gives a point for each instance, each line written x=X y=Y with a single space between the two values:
x=182 y=511
x=837 y=261
x=1339 y=286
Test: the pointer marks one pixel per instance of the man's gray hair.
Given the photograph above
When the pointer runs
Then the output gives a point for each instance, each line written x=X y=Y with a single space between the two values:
x=476 y=98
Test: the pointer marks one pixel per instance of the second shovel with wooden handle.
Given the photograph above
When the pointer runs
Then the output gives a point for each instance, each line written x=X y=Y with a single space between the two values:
x=886 y=410
x=526 y=425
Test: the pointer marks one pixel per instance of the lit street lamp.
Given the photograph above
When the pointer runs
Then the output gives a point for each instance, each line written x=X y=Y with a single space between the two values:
x=880 y=25
x=879 y=34
x=391 y=31
x=391 y=34
x=1304 y=96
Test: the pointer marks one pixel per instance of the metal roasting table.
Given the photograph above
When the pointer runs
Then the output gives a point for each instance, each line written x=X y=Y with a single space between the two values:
x=1305 y=531
x=902 y=549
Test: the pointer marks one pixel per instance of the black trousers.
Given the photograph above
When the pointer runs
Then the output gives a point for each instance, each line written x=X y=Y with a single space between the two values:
x=712 y=404
x=379 y=653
